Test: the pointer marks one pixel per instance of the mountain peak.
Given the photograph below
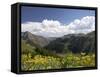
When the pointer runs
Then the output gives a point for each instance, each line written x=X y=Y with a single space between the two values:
x=34 y=39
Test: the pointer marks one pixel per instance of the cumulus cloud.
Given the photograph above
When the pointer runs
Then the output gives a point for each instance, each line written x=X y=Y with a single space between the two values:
x=85 y=25
x=53 y=28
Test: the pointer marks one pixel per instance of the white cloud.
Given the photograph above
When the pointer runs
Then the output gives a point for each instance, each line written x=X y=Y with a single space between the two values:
x=85 y=25
x=52 y=28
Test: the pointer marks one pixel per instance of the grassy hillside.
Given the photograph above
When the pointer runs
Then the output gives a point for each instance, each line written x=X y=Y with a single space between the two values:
x=60 y=53
x=37 y=59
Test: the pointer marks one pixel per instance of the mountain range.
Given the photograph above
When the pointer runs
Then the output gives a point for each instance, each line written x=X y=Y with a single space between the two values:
x=75 y=43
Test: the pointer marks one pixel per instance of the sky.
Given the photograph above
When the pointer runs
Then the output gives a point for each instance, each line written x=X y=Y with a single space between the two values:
x=55 y=22
x=65 y=16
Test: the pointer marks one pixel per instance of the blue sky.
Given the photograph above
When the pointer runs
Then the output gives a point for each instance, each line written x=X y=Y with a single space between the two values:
x=65 y=16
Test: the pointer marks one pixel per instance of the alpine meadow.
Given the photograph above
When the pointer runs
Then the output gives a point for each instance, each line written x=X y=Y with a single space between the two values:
x=53 y=38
